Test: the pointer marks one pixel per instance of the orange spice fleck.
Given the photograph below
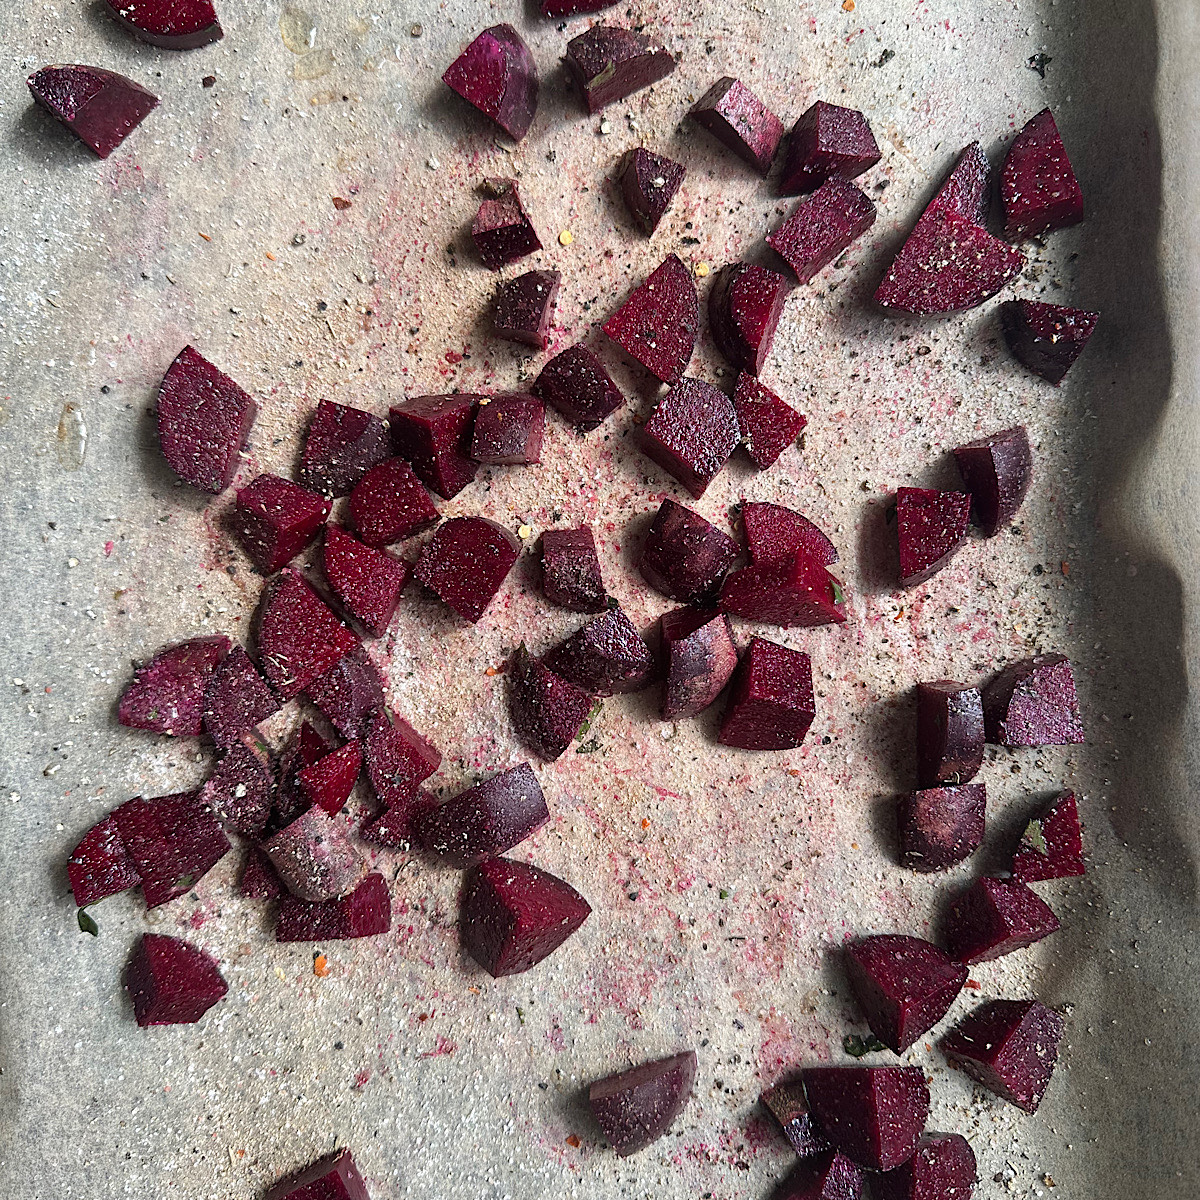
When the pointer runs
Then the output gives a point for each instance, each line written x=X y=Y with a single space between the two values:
x=847 y=5
x=573 y=1141
x=900 y=615
x=270 y=256
x=645 y=822
x=1065 y=567
x=491 y=671
x=204 y=236
x=853 y=845
x=321 y=966
x=795 y=774
x=474 y=991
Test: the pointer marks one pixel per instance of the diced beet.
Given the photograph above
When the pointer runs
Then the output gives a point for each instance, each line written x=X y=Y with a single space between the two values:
x=547 y=711
x=571 y=570
x=275 y=519
x=740 y=121
x=465 y=562
x=943 y=1168
x=329 y=781
x=434 y=434
x=388 y=504
x=343 y=444
x=771 y=705
x=767 y=424
x=1033 y=703
x=349 y=693
x=306 y=747
x=967 y=190
x=101 y=108
x=610 y=63
x=299 y=638
x=828 y=141
x=1052 y=845
x=1047 y=338
x=398 y=760
x=167 y=694
x=367 y=911
x=873 y=1115
x=789 y=592
x=692 y=433
x=577 y=385
x=659 y=322
x=835 y=216
x=774 y=533
x=100 y=865
x=502 y=231
x=904 y=985
x=744 y=307
x=569 y=8
x=607 y=655
x=173 y=841
x=949 y=732
x=700 y=657
x=508 y=431
x=314 y=858
x=333 y=1178
x=172 y=982
x=393 y=826
x=523 y=307
x=260 y=881
x=648 y=184
x=789 y=1107
x=514 y=915
x=236 y=699
x=203 y=419
x=947 y=264
x=994 y=917
x=996 y=471
x=940 y=827
x=1038 y=186
x=931 y=527
x=366 y=580
x=684 y=556
x=636 y=1107
x=496 y=73
x=169 y=24
x=828 y=1176
x=241 y=789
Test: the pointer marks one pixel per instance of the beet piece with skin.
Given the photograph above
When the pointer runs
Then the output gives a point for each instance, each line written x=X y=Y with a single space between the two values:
x=101 y=108
x=329 y=781
x=607 y=655
x=259 y=879
x=389 y=504
x=1037 y=184
x=829 y=1176
x=465 y=562
x=648 y=185
x=740 y=121
x=332 y=1178
x=508 y=431
x=744 y=307
x=502 y=231
x=684 y=556
x=1052 y=845
x=172 y=982
x=700 y=657
x=967 y=190
x=949 y=733
x=996 y=471
x=367 y=911
x=774 y=533
x=241 y=789
x=314 y=858
x=523 y=305
x=942 y=826
x=571 y=8
x=571 y=570
x=788 y=1105
x=546 y=711
x=434 y=434
x=692 y=433
x=636 y=1107
x=767 y=424
x=832 y=219
x=366 y=580
x=609 y=63
x=771 y=705
x=931 y=527
x=169 y=24
x=275 y=519
x=1033 y=703
x=794 y=591
x=827 y=141
x=342 y=445
x=100 y=865
x=994 y=917
x=398 y=759
x=943 y=1168
x=577 y=385
x=496 y=73
x=1047 y=338
x=659 y=322
x=237 y=699
x=349 y=693
x=167 y=694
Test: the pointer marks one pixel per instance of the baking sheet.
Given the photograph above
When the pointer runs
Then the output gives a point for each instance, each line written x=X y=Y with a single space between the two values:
x=719 y=879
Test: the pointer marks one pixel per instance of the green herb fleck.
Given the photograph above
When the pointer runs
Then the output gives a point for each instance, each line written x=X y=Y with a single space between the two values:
x=724 y=893
x=856 y=1045
x=1035 y=836
x=885 y=57
x=839 y=596
x=87 y=922
x=589 y=747
x=520 y=1014
x=587 y=723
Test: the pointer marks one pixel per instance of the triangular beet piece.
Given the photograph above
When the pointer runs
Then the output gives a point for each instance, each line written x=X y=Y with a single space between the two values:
x=259 y=879
x=172 y=982
x=167 y=694
x=329 y=781
x=275 y=519
x=497 y=74
x=100 y=865
x=684 y=556
x=827 y=1176
x=648 y=184
x=1038 y=186
x=169 y=24
x=659 y=322
x=1033 y=703
x=967 y=190
x=744 y=307
x=389 y=504
x=349 y=693
x=774 y=533
x=994 y=917
x=241 y=789
x=1047 y=338
x=343 y=444
x=236 y=699
x=547 y=711
x=502 y=230
x=791 y=592
x=789 y=1106
x=636 y=1107
x=768 y=424
x=1052 y=845
x=398 y=759
x=940 y=827
x=367 y=911
x=931 y=527
x=101 y=108
x=943 y=1168
x=465 y=562
x=434 y=434
x=607 y=655
x=366 y=580
x=333 y=1178
x=692 y=433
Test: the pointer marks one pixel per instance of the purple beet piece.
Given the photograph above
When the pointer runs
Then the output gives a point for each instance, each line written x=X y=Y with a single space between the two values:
x=393 y=826
x=236 y=699
x=172 y=982
x=547 y=711
x=434 y=434
x=259 y=879
x=306 y=748
x=648 y=184
x=508 y=431
x=684 y=556
x=101 y=108
x=931 y=526
x=100 y=865
x=366 y=580
x=873 y=1115
x=502 y=231
x=241 y=789
x=314 y=858
x=943 y=1168
x=299 y=638
x=947 y=264
x=203 y=419
x=744 y=307
x=367 y=911
x=465 y=562
x=349 y=693
x=332 y=1178
x=329 y=781
x=967 y=190
x=828 y=141
x=1052 y=845
x=389 y=504
x=343 y=444
x=167 y=694
x=496 y=73
x=1047 y=338
x=789 y=1107
x=794 y=591
x=169 y=24
x=570 y=8
x=571 y=570
x=700 y=657
x=1038 y=186
x=1010 y=1046
x=771 y=705
x=692 y=433
x=609 y=63
x=835 y=216
x=398 y=760
x=774 y=533
x=514 y=915
x=275 y=519
x=903 y=985
x=994 y=917
x=607 y=655
x=996 y=471
x=949 y=733
x=577 y=385
x=828 y=1176
x=768 y=425
x=658 y=324
x=740 y=121
x=1033 y=703
x=636 y=1107
x=940 y=827
x=523 y=307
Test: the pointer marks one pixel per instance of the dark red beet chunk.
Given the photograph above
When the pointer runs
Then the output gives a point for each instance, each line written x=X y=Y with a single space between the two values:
x=607 y=655
x=367 y=581
x=172 y=982
x=789 y=1107
x=830 y=1176
x=170 y=24
x=1052 y=845
x=306 y=748
x=1038 y=186
x=241 y=788
x=100 y=865
x=931 y=527
x=571 y=570
x=1033 y=703
x=658 y=324
x=996 y=471
x=349 y=693
x=466 y=561
x=434 y=434
x=993 y=918
x=496 y=73
x=333 y=1178
x=314 y=858
x=743 y=310
x=393 y=827
x=259 y=880
x=388 y=504
x=367 y=911
x=569 y=8
x=827 y=141
x=508 y=431
x=767 y=424
x=275 y=519
x=101 y=108
x=873 y=1115
x=636 y=1107
x=167 y=694
x=343 y=444
x=835 y=216
x=967 y=190
x=774 y=533
x=648 y=184
x=1010 y=1046
x=399 y=760
x=942 y=826
x=684 y=556
x=523 y=307
x=692 y=433
x=610 y=63
x=788 y=592
x=1047 y=338
x=771 y=705
x=700 y=657
x=740 y=121
x=943 y=1168
x=236 y=699
x=329 y=781
x=502 y=231
x=547 y=711
x=949 y=733
x=203 y=419
x=577 y=385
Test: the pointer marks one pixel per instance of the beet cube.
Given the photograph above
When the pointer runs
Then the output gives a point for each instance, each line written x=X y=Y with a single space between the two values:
x=1047 y=338
x=329 y=781
x=434 y=434
x=169 y=24
x=828 y=141
x=996 y=471
x=1033 y=703
x=767 y=424
x=307 y=747
x=949 y=732
x=100 y=865
x=607 y=655
x=523 y=307
x=393 y=827
x=829 y=1176
x=241 y=789
x=496 y=73
x=1052 y=845
x=940 y=827
x=465 y=562
x=789 y=1106
x=333 y=1178
x=943 y=1168
x=366 y=580
x=172 y=982
x=700 y=657
x=692 y=433
x=577 y=385
x=835 y=216
x=343 y=444
x=744 y=307
x=349 y=693
x=609 y=63
x=771 y=705
x=740 y=121
x=275 y=519
x=931 y=527
x=774 y=533
x=636 y=1107
x=203 y=419
x=167 y=694
x=398 y=759
x=236 y=699
x=101 y=108
x=514 y=915
x=367 y=911
x=993 y=918
x=508 y=431
x=388 y=504
x=259 y=879
x=569 y=8
x=571 y=570
x=967 y=190
x=789 y=592
x=659 y=322
x=547 y=711
x=1038 y=186
x=648 y=184
x=502 y=231
x=684 y=556
x=314 y=858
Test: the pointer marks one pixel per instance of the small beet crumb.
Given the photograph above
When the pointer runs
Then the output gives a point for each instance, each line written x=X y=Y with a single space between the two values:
x=341 y=203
